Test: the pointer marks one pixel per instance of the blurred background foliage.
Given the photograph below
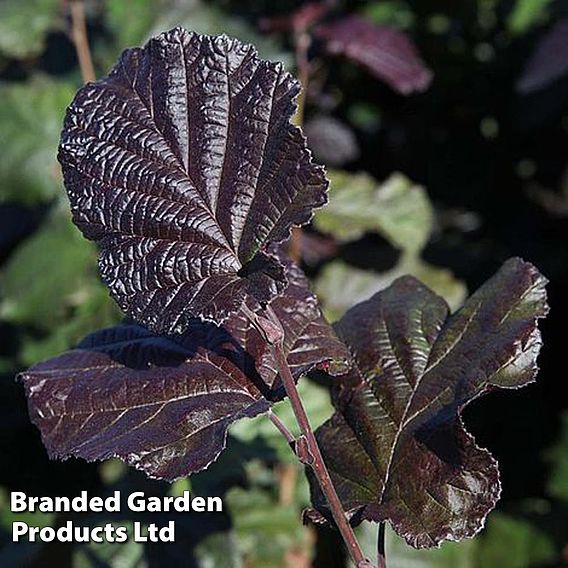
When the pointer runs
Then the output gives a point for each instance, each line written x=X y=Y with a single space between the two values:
x=444 y=184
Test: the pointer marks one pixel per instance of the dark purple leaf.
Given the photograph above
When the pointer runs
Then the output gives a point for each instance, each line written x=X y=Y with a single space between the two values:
x=396 y=446
x=298 y=21
x=386 y=52
x=548 y=62
x=164 y=404
x=183 y=165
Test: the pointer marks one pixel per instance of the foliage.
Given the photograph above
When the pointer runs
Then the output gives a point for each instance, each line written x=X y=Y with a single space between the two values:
x=24 y=26
x=396 y=446
x=526 y=13
x=197 y=207
x=386 y=52
x=201 y=381
x=558 y=456
x=50 y=296
x=548 y=63
x=31 y=123
x=399 y=211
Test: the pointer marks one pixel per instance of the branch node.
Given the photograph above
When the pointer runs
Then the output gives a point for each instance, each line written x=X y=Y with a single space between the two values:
x=303 y=451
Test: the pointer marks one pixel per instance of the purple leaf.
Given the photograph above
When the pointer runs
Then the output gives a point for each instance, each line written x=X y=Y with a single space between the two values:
x=548 y=62
x=164 y=404
x=386 y=52
x=298 y=21
x=396 y=446
x=183 y=165
x=331 y=141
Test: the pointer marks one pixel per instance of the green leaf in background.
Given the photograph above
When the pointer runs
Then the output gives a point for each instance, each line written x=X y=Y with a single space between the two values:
x=526 y=14
x=95 y=311
x=131 y=31
x=31 y=116
x=513 y=542
x=400 y=555
x=397 y=209
x=506 y=542
x=24 y=25
x=129 y=554
x=340 y=286
x=48 y=274
x=261 y=433
x=219 y=550
x=402 y=213
x=396 y=13
x=50 y=284
x=266 y=530
x=154 y=17
x=558 y=457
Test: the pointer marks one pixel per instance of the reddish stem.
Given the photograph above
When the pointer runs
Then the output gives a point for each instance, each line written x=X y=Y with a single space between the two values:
x=315 y=458
x=282 y=428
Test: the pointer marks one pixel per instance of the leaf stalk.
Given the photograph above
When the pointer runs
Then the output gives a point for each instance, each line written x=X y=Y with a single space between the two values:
x=306 y=447
x=381 y=554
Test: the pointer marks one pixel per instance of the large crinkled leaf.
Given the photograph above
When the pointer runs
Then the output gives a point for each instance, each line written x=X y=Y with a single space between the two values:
x=396 y=447
x=164 y=403
x=183 y=165
x=386 y=52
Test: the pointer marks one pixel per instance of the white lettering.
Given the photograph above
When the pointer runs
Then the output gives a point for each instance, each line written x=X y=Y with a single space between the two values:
x=198 y=504
x=168 y=534
x=112 y=504
x=18 y=502
x=18 y=529
x=47 y=534
x=121 y=534
x=214 y=504
x=138 y=536
x=136 y=503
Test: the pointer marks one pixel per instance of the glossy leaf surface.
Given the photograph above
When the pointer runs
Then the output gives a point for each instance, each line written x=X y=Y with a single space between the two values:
x=396 y=447
x=164 y=404
x=386 y=52
x=183 y=165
